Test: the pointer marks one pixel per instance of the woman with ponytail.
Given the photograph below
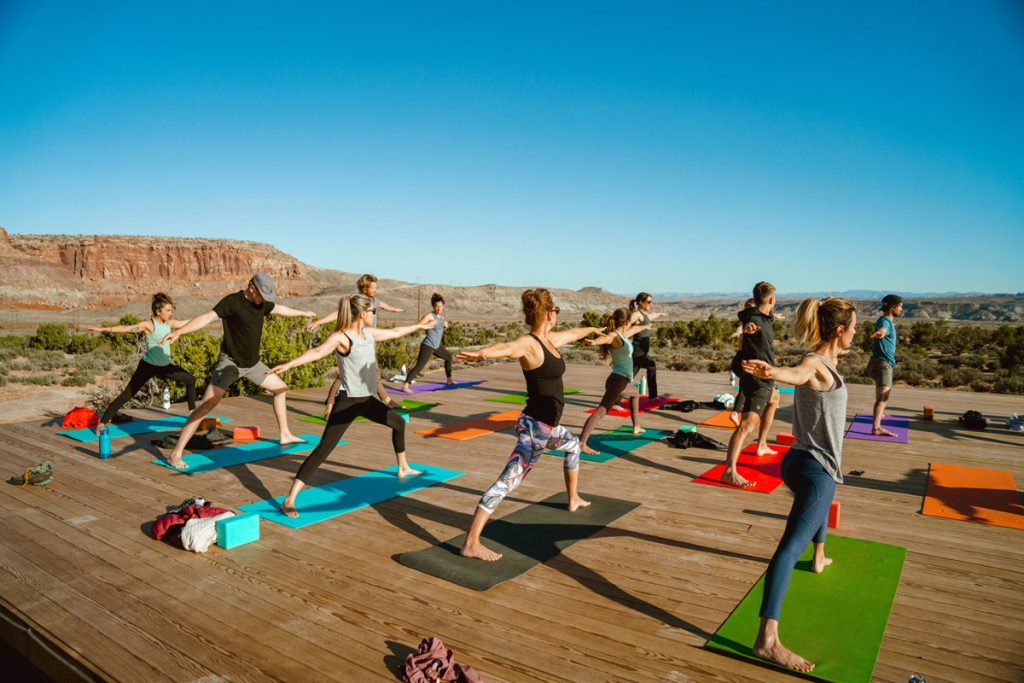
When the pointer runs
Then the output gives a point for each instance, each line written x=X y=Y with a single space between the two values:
x=640 y=314
x=354 y=344
x=617 y=349
x=813 y=465
x=538 y=428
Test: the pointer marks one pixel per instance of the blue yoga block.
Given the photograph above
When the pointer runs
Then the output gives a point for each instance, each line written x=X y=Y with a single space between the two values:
x=405 y=416
x=237 y=530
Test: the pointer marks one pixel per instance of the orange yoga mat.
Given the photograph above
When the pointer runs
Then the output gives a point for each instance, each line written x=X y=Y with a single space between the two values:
x=475 y=428
x=720 y=420
x=973 y=494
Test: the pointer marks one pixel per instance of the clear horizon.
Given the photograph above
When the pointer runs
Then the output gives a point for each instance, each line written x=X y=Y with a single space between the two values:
x=664 y=147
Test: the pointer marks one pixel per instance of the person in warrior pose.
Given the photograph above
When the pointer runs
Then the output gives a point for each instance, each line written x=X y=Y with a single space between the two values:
x=354 y=344
x=813 y=465
x=242 y=314
x=431 y=344
x=883 y=359
x=641 y=314
x=538 y=428
x=156 y=362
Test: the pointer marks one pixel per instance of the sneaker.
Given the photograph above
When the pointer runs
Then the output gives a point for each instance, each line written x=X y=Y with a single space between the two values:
x=1015 y=423
x=195 y=500
x=40 y=475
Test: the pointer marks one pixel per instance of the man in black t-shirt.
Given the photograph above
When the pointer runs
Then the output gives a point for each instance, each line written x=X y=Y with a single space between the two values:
x=242 y=314
x=758 y=396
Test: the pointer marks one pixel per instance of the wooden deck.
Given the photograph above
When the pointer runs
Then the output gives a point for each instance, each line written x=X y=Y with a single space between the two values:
x=634 y=603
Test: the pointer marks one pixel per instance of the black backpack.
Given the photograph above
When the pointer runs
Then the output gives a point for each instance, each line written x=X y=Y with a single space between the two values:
x=972 y=419
x=688 y=439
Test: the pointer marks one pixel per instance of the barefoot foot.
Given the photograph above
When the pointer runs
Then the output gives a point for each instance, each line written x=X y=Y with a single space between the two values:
x=450 y=381
x=406 y=389
x=733 y=478
x=588 y=450
x=765 y=450
x=177 y=463
x=577 y=503
x=881 y=431
x=477 y=551
x=290 y=439
x=775 y=652
x=288 y=508
x=819 y=564
x=734 y=418
x=408 y=472
x=638 y=430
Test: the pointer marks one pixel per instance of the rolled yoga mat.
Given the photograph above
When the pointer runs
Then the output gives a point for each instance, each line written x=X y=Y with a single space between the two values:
x=319 y=503
x=427 y=387
x=408 y=406
x=519 y=398
x=163 y=424
x=239 y=455
x=616 y=442
x=764 y=471
x=835 y=619
x=973 y=494
x=525 y=538
x=862 y=423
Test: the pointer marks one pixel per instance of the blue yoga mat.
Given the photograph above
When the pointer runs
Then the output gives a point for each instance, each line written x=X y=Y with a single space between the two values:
x=618 y=441
x=164 y=424
x=782 y=390
x=239 y=455
x=320 y=503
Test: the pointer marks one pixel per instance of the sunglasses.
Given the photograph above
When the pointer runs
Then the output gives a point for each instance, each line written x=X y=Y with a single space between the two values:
x=556 y=310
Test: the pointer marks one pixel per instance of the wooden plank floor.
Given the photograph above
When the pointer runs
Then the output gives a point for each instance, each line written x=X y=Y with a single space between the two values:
x=633 y=603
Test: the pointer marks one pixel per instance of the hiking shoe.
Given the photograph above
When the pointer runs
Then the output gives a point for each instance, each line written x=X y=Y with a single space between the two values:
x=39 y=475
x=1015 y=423
x=195 y=500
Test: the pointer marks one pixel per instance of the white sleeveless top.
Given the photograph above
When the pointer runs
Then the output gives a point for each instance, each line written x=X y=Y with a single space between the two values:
x=358 y=368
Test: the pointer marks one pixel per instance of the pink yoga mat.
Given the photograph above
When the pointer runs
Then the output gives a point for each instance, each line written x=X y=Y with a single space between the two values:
x=860 y=428
x=427 y=387
x=622 y=410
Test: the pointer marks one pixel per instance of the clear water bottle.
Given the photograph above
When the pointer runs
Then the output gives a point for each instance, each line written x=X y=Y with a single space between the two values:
x=167 y=398
x=105 y=443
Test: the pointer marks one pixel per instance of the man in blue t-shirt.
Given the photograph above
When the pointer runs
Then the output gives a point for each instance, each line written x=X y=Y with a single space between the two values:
x=883 y=358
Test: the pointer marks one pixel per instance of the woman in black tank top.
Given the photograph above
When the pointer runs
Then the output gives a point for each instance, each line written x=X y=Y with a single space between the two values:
x=538 y=428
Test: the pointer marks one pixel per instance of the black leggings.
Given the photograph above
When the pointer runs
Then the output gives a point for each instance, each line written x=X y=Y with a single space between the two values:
x=642 y=359
x=425 y=353
x=346 y=410
x=146 y=372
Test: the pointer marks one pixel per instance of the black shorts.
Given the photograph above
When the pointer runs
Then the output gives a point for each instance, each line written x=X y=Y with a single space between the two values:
x=755 y=395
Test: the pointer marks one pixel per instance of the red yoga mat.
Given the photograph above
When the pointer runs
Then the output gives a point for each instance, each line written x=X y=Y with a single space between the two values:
x=765 y=472
x=645 y=404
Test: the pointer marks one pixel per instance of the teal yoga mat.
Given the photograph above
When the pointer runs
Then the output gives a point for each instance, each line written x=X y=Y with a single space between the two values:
x=835 y=619
x=239 y=455
x=319 y=503
x=519 y=397
x=616 y=442
x=164 y=424
x=408 y=406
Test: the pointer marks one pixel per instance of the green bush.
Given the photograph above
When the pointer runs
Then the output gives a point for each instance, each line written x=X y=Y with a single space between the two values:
x=79 y=378
x=81 y=344
x=50 y=336
x=14 y=342
x=592 y=319
x=37 y=380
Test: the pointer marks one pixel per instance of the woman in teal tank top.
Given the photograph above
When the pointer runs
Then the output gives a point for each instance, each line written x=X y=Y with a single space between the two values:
x=616 y=345
x=156 y=362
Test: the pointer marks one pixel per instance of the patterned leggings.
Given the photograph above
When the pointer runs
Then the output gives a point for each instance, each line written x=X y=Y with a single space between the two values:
x=533 y=437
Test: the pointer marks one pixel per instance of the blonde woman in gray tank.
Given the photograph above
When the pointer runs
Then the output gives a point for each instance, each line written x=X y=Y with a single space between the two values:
x=813 y=465
x=354 y=343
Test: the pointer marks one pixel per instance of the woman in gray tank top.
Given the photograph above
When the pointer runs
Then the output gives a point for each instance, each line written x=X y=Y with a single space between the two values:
x=435 y=324
x=813 y=466
x=354 y=342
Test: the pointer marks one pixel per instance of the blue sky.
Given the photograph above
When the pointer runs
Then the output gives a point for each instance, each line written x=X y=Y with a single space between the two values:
x=676 y=146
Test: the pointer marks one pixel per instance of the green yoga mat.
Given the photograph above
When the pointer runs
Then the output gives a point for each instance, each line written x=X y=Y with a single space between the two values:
x=408 y=406
x=519 y=397
x=525 y=538
x=164 y=424
x=618 y=441
x=239 y=455
x=835 y=619
x=319 y=503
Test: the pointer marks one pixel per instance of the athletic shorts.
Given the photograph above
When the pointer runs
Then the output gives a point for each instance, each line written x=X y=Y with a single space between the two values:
x=616 y=388
x=754 y=395
x=880 y=371
x=226 y=372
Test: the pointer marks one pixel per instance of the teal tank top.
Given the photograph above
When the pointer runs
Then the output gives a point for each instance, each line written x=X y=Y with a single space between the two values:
x=156 y=353
x=622 y=358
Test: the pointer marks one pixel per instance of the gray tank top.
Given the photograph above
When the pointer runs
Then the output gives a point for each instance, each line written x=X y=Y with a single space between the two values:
x=358 y=368
x=645 y=320
x=818 y=422
x=433 y=338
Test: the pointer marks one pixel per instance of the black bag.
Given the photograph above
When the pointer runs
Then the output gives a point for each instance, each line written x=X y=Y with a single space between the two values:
x=972 y=419
x=694 y=439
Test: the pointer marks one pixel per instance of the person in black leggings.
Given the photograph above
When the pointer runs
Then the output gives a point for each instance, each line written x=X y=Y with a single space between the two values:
x=431 y=345
x=640 y=314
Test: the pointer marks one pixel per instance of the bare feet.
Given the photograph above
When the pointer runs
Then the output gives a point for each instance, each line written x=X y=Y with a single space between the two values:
x=638 y=430
x=775 y=652
x=450 y=381
x=408 y=472
x=734 y=417
x=177 y=463
x=576 y=503
x=406 y=388
x=765 y=450
x=881 y=431
x=477 y=551
x=288 y=508
x=733 y=478
x=584 y=448
x=819 y=564
x=289 y=439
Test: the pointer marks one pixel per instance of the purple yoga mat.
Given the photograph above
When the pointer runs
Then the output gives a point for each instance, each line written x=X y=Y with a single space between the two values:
x=427 y=387
x=860 y=428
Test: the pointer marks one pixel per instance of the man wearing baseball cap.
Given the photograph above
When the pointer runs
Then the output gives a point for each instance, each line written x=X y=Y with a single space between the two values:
x=883 y=358
x=242 y=314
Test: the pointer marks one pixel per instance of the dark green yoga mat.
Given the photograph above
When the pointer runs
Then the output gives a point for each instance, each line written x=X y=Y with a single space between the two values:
x=519 y=397
x=525 y=538
x=835 y=619
x=408 y=406
x=616 y=442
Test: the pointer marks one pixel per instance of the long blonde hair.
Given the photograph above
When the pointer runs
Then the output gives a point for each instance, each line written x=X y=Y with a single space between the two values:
x=349 y=308
x=816 y=321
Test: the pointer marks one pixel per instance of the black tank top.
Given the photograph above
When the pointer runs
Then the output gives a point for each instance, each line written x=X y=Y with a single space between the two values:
x=544 y=389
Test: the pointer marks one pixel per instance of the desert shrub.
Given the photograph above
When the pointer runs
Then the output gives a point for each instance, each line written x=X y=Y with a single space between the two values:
x=3 y=380
x=286 y=338
x=958 y=377
x=50 y=336
x=592 y=319
x=394 y=353
x=83 y=343
x=79 y=378
x=37 y=380
x=14 y=342
x=455 y=336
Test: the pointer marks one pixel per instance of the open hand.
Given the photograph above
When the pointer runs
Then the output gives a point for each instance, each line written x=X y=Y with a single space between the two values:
x=758 y=368
x=471 y=356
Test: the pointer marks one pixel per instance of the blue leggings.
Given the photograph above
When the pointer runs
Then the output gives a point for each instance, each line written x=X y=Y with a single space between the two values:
x=813 y=489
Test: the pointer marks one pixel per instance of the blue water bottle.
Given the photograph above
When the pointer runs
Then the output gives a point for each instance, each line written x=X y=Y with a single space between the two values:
x=105 y=443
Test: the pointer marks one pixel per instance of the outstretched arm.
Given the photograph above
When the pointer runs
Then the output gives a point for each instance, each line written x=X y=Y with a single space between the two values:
x=387 y=307
x=196 y=323
x=800 y=374
x=601 y=340
x=289 y=312
x=563 y=337
x=879 y=333
x=395 y=332
x=329 y=318
x=144 y=326
x=515 y=349
x=335 y=340
x=636 y=329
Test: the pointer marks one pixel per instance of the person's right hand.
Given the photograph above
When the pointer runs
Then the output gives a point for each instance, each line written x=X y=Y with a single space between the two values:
x=277 y=369
x=312 y=326
x=170 y=338
x=471 y=356
x=758 y=368
x=94 y=329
